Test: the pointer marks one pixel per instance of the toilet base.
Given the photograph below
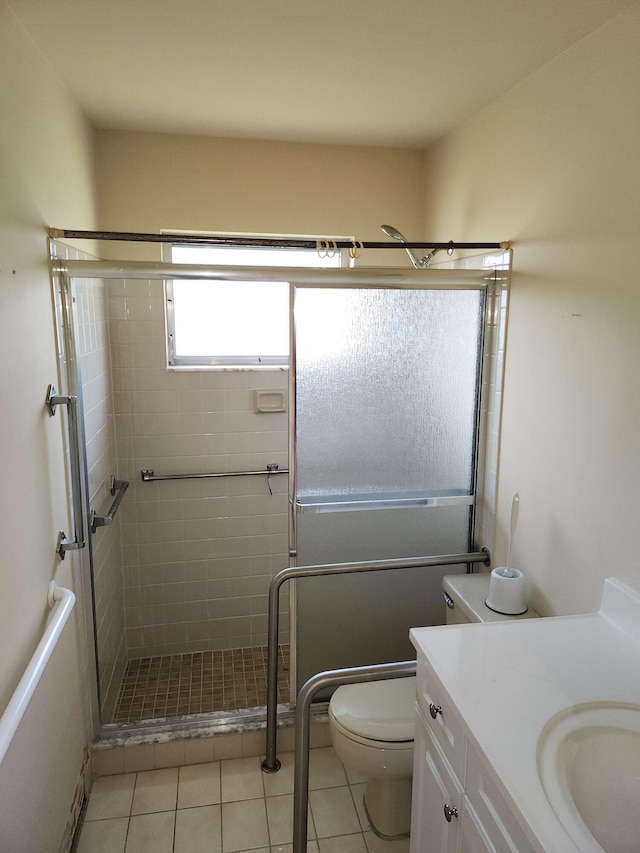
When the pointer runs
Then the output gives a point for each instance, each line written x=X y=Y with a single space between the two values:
x=388 y=807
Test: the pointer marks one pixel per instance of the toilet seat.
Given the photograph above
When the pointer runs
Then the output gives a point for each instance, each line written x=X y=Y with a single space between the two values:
x=377 y=745
x=376 y=711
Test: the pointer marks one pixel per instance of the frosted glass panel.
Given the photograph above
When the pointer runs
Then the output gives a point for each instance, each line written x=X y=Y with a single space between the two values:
x=387 y=385
x=386 y=392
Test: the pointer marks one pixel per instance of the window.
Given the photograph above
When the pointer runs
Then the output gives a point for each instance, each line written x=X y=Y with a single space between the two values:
x=225 y=323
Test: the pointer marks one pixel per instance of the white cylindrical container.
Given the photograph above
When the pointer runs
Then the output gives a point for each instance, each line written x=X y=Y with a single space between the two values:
x=506 y=592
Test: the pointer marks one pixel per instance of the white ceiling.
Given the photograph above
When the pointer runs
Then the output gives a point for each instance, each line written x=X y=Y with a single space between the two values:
x=373 y=72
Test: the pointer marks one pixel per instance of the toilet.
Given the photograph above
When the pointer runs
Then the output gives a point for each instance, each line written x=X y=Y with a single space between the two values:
x=372 y=723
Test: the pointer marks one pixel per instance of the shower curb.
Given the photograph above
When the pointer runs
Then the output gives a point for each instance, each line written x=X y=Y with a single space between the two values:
x=197 y=739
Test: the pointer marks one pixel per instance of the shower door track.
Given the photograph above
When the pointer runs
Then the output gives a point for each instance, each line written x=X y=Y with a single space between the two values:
x=384 y=277
x=206 y=724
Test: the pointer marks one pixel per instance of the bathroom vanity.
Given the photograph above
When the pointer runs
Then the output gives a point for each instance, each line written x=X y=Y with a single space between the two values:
x=513 y=717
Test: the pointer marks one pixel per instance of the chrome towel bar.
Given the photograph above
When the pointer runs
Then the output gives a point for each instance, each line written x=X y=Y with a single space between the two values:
x=147 y=475
x=117 y=488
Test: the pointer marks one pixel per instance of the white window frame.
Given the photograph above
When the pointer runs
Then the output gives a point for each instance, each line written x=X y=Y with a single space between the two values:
x=239 y=256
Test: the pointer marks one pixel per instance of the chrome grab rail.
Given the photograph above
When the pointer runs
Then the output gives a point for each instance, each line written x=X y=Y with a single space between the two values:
x=117 y=488
x=147 y=475
x=61 y=601
x=331 y=678
x=53 y=400
x=271 y=764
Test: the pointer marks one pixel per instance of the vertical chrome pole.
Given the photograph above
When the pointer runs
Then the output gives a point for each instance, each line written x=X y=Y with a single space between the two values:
x=293 y=495
x=293 y=537
x=271 y=764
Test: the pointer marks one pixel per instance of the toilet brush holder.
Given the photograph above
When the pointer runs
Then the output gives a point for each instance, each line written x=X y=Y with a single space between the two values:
x=506 y=592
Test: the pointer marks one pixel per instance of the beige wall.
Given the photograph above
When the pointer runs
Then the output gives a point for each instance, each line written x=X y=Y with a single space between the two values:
x=553 y=166
x=45 y=179
x=147 y=182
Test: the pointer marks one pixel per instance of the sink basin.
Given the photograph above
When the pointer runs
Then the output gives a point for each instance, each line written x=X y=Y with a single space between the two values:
x=589 y=766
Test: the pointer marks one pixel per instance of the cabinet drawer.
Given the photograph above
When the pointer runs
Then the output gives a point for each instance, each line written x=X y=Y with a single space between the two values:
x=492 y=810
x=441 y=720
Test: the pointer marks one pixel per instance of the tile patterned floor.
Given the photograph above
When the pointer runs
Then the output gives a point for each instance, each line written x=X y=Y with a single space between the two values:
x=198 y=683
x=228 y=807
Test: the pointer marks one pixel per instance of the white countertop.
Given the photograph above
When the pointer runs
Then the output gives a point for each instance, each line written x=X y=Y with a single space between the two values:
x=507 y=680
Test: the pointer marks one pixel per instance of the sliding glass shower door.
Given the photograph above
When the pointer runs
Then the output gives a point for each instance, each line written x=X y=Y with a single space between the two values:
x=385 y=388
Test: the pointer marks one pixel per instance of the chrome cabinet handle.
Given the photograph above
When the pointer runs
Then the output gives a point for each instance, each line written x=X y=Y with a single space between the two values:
x=434 y=710
x=450 y=812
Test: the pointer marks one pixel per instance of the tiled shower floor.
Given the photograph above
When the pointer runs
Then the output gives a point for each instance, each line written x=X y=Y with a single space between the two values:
x=197 y=683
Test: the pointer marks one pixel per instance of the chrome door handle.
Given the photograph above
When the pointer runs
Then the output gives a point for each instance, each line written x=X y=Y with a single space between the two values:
x=53 y=400
x=117 y=488
x=434 y=710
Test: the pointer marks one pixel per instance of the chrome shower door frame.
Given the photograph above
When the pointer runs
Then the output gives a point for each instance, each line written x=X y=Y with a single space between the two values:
x=70 y=376
x=492 y=285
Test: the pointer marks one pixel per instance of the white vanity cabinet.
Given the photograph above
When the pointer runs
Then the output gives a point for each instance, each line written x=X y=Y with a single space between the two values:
x=456 y=806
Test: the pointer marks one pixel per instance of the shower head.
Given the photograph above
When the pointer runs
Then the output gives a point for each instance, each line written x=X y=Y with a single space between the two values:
x=392 y=232
x=421 y=263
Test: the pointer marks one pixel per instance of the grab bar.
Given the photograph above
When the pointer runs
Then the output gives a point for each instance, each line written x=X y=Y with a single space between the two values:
x=331 y=678
x=61 y=601
x=271 y=764
x=53 y=400
x=117 y=488
x=148 y=476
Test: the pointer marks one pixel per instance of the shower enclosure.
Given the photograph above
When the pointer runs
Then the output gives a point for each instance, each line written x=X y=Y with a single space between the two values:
x=180 y=578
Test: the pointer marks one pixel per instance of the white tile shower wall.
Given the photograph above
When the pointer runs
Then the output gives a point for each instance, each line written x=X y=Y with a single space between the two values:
x=198 y=554
x=95 y=363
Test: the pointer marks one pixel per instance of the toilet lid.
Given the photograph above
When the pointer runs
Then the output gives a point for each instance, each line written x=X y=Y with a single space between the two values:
x=379 y=710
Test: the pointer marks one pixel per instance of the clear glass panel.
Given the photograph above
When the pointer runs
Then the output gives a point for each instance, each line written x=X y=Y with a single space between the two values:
x=387 y=385
x=386 y=392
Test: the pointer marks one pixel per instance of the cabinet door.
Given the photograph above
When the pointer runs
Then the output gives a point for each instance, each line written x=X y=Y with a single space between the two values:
x=500 y=826
x=473 y=839
x=437 y=798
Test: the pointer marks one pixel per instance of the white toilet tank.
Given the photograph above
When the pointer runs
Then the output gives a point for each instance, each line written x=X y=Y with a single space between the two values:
x=465 y=597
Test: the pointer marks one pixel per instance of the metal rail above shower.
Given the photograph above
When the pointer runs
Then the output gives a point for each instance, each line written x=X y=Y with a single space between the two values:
x=147 y=475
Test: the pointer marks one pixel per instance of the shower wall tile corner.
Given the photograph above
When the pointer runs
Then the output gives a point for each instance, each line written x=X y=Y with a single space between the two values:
x=197 y=555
